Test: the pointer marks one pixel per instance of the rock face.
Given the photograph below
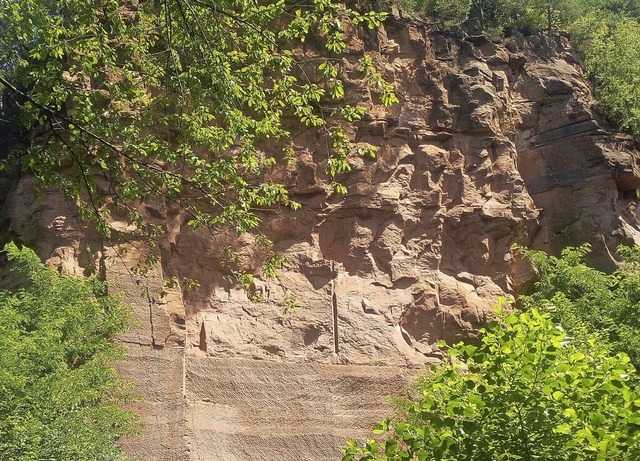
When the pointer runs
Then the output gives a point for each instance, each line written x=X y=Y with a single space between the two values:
x=492 y=144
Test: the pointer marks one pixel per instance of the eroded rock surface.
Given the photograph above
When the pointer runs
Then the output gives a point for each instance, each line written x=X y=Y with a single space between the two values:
x=492 y=144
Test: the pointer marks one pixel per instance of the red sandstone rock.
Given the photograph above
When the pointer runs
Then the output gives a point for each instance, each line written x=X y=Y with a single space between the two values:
x=491 y=145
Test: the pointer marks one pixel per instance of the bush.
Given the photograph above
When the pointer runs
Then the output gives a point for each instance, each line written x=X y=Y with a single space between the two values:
x=610 y=47
x=526 y=393
x=59 y=393
x=588 y=302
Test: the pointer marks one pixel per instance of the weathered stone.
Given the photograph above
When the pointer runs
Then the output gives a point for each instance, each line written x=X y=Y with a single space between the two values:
x=492 y=144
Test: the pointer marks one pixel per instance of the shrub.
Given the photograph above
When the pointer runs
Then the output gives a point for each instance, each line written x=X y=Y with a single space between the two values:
x=526 y=393
x=59 y=393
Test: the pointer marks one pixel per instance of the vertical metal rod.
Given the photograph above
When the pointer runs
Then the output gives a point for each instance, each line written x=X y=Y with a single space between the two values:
x=334 y=309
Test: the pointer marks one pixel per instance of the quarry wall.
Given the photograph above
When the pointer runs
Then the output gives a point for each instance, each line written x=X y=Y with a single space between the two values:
x=492 y=143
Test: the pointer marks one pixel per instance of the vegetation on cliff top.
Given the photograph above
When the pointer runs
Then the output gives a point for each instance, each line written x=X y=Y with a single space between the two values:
x=59 y=393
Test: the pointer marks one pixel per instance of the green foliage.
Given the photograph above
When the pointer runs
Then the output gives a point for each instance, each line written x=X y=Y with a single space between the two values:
x=497 y=16
x=187 y=101
x=452 y=12
x=610 y=45
x=59 y=393
x=587 y=302
x=525 y=393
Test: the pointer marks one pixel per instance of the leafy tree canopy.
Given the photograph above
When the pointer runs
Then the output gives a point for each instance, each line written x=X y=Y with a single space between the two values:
x=609 y=44
x=58 y=389
x=588 y=302
x=188 y=101
x=525 y=393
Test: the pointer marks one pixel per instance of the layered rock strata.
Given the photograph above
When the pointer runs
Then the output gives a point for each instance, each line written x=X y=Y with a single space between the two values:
x=492 y=144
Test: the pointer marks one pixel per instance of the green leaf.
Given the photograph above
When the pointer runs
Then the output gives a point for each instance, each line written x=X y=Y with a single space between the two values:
x=484 y=409
x=59 y=390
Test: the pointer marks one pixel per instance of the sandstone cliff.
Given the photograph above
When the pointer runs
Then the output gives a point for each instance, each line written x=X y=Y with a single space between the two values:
x=492 y=144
